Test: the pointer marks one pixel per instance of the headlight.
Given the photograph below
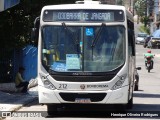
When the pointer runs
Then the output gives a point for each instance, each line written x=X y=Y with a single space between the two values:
x=153 y=41
x=47 y=83
x=120 y=82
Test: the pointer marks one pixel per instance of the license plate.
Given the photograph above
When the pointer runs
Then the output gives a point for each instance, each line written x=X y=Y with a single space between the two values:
x=82 y=100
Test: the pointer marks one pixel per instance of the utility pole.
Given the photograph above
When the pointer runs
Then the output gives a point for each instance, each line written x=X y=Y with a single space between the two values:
x=132 y=6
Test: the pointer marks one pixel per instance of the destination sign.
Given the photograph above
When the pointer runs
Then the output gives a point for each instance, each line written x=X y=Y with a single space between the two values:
x=83 y=15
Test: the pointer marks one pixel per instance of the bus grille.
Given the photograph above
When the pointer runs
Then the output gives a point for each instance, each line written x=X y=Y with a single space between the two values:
x=94 y=97
x=83 y=78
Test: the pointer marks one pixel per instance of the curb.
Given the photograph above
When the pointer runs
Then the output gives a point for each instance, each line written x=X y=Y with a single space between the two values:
x=20 y=106
x=16 y=108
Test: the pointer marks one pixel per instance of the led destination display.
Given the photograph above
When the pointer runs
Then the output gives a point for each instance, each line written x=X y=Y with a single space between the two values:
x=83 y=15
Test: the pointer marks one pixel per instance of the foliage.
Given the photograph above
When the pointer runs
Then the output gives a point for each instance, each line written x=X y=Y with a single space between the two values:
x=120 y=2
x=141 y=10
x=16 y=22
x=140 y=7
x=144 y=20
x=144 y=29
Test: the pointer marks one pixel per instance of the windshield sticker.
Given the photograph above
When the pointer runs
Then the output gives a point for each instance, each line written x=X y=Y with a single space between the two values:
x=89 y=31
x=81 y=45
x=72 y=61
x=57 y=66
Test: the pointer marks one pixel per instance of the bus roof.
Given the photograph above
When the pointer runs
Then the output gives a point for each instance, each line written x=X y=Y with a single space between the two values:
x=88 y=6
x=84 y=6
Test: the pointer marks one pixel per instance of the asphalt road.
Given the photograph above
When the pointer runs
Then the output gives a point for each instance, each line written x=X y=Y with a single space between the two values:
x=147 y=99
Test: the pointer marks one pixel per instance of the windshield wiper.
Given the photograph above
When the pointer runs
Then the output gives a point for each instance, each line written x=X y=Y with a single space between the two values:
x=74 y=38
x=72 y=34
x=97 y=37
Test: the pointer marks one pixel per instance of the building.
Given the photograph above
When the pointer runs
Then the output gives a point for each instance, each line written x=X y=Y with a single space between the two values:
x=5 y=4
x=155 y=22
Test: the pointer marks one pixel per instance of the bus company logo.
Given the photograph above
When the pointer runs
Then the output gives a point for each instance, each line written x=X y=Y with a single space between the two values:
x=82 y=86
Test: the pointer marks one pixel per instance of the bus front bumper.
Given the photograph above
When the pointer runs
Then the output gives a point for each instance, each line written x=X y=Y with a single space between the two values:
x=47 y=96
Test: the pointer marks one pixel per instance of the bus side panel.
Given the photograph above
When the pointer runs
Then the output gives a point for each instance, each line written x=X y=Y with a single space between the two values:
x=119 y=96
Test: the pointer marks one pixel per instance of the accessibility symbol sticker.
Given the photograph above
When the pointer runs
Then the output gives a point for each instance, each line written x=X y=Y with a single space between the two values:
x=89 y=31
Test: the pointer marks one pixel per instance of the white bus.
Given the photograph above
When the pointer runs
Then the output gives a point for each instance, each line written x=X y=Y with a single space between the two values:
x=86 y=55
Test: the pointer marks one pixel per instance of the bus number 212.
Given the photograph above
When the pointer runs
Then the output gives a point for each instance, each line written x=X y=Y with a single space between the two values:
x=62 y=86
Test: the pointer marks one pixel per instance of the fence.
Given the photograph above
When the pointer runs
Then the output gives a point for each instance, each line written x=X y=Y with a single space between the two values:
x=29 y=62
x=10 y=61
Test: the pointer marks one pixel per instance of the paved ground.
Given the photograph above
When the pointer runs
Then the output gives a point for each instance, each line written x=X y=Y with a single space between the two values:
x=12 y=101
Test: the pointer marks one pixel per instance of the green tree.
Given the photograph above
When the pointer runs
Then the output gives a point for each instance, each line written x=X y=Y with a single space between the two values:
x=145 y=20
x=16 y=22
x=141 y=7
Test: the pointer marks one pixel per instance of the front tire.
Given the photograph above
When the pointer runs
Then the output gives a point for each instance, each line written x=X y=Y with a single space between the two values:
x=52 y=110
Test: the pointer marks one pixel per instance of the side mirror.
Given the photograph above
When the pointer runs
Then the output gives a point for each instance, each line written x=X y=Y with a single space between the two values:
x=35 y=31
x=33 y=34
x=138 y=68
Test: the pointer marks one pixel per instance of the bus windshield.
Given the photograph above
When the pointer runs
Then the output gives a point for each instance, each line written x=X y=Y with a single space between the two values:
x=83 y=48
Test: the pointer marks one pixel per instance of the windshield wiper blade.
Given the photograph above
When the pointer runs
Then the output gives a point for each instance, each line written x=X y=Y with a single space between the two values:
x=72 y=34
x=74 y=38
x=97 y=35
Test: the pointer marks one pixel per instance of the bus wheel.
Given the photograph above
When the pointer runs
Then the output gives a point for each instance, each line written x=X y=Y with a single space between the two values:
x=136 y=88
x=130 y=103
x=120 y=107
x=52 y=110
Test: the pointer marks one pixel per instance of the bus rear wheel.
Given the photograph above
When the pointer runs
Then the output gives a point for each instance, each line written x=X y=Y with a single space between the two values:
x=130 y=103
